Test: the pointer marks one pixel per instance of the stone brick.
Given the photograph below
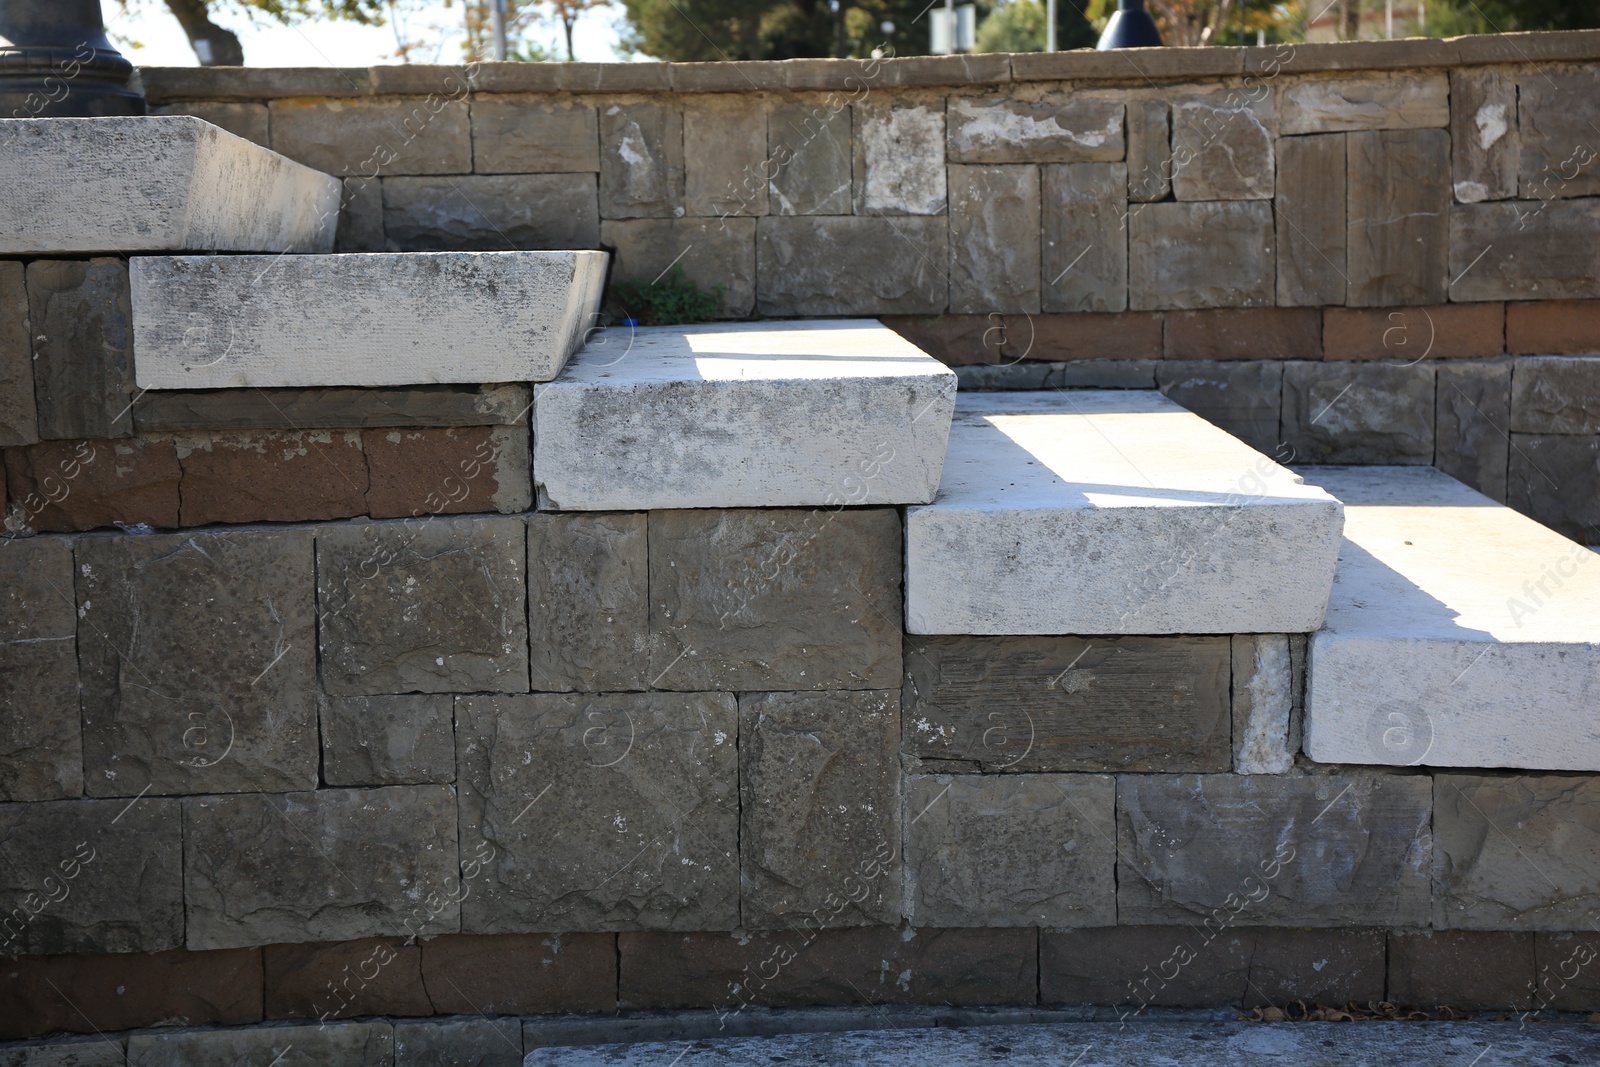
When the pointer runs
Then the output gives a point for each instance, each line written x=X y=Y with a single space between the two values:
x=1333 y=105
x=1555 y=478
x=520 y=134
x=1067 y=703
x=19 y=424
x=994 y=239
x=83 y=485
x=712 y=253
x=387 y=740
x=343 y=979
x=360 y=218
x=1261 y=333
x=1263 y=704
x=82 y=326
x=1122 y=965
x=469 y=1042
x=1331 y=967
x=1562 y=979
x=819 y=790
x=96 y=1051
x=726 y=76
x=810 y=158
x=959 y=340
x=1398 y=215
x=1556 y=394
x=398 y=135
x=811 y=267
x=725 y=156
x=641 y=161
x=240 y=118
x=329 y=865
x=1244 y=398
x=1222 y=147
x=1149 y=149
x=1556 y=117
x=1466 y=969
x=1305 y=851
x=588 y=601
x=1508 y=251
x=1059 y=127
x=771 y=599
x=1129 y=336
x=429 y=606
x=899 y=158
x=872 y=965
x=1485 y=148
x=640 y=829
x=41 y=749
x=1201 y=255
x=352 y=1044
x=1312 y=224
x=268 y=476
x=45 y=994
x=1359 y=412
x=447 y=471
x=1011 y=850
x=612 y=77
x=1085 y=262
x=1553 y=327
x=334 y=408
x=91 y=876
x=1472 y=414
x=491 y=212
x=197 y=668
x=521 y=974
x=1406 y=335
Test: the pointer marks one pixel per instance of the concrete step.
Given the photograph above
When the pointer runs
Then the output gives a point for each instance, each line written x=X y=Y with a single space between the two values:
x=1459 y=634
x=403 y=318
x=161 y=183
x=1113 y=512
x=773 y=414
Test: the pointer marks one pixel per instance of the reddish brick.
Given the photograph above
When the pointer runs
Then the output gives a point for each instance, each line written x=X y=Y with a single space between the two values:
x=1248 y=333
x=263 y=476
x=1553 y=327
x=447 y=471
x=62 y=486
x=1136 y=966
x=339 y=980
x=1084 y=335
x=954 y=340
x=1405 y=335
x=83 y=994
x=520 y=974
x=1317 y=966
x=1465 y=969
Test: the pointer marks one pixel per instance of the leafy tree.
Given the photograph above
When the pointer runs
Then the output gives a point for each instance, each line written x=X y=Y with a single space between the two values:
x=1014 y=26
x=1452 y=17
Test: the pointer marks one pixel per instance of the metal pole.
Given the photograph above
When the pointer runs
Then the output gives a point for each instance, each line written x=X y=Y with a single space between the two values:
x=55 y=61
x=498 y=16
x=1388 y=19
x=1050 y=26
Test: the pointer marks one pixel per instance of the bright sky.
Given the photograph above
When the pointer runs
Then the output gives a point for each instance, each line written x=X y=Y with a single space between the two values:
x=336 y=44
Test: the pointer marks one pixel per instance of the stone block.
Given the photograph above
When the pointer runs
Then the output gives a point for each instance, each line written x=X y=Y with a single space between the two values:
x=1312 y=225
x=1127 y=336
x=1556 y=116
x=448 y=471
x=640 y=827
x=808 y=146
x=810 y=266
x=1485 y=148
x=959 y=340
x=266 y=476
x=155 y=183
x=1407 y=335
x=1067 y=704
x=411 y=319
x=994 y=239
x=713 y=253
x=521 y=974
x=1113 y=513
x=899 y=158
x=752 y=600
x=725 y=156
x=1201 y=255
x=1085 y=255
x=197 y=667
x=1314 y=851
x=1149 y=149
x=1121 y=965
x=463 y=1042
x=334 y=409
x=1333 y=967
x=41 y=748
x=331 y=981
x=425 y=606
x=744 y=415
x=1222 y=147
x=1243 y=398
x=1438 y=585
x=79 y=315
x=1509 y=251
x=1400 y=244
x=1515 y=852
x=363 y=1044
x=1058 y=127
x=1011 y=850
x=1472 y=412
x=1553 y=327
x=819 y=798
x=91 y=876
x=387 y=740
x=491 y=212
x=395 y=135
x=588 y=602
x=1263 y=704
x=641 y=161
x=1257 y=333
x=1358 y=412
x=1555 y=478
x=328 y=865
x=19 y=423
x=518 y=134
x=1334 y=105
x=83 y=485
x=361 y=217
x=1467 y=969
x=1555 y=394
x=1563 y=979
x=247 y=119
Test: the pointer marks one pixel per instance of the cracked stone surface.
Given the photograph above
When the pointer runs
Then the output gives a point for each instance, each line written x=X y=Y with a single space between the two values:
x=588 y=601
x=388 y=740
x=41 y=747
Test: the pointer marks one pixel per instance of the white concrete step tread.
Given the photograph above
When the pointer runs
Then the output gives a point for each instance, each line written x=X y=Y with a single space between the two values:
x=1136 y=1044
x=768 y=414
x=154 y=184
x=1113 y=512
x=1460 y=633
x=384 y=318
